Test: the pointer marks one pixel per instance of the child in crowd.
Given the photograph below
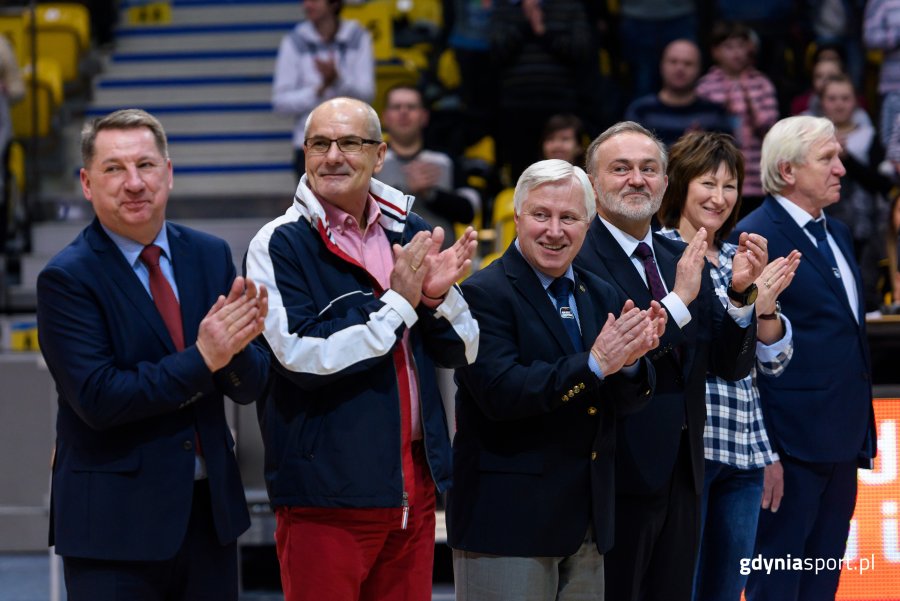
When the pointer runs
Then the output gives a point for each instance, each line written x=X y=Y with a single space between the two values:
x=747 y=94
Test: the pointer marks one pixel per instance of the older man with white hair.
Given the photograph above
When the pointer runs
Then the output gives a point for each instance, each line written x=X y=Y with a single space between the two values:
x=530 y=512
x=819 y=413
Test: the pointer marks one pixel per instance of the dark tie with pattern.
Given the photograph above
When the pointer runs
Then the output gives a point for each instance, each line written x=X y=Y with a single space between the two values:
x=163 y=296
x=817 y=229
x=654 y=282
x=561 y=289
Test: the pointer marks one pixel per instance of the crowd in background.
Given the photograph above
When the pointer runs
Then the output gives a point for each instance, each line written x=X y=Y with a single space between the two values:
x=676 y=67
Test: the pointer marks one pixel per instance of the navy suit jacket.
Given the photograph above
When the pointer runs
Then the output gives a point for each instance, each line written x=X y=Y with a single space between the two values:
x=711 y=342
x=820 y=408
x=533 y=454
x=129 y=403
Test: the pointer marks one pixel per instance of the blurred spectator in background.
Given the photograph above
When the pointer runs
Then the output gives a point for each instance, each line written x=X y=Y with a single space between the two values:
x=864 y=187
x=563 y=138
x=837 y=24
x=12 y=89
x=469 y=36
x=881 y=31
x=645 y=28
x=677 y=109
x=776 y=26
x=746 y=93
x=426 y=174
x=323 y=57
x=827 y=62
x=879 y=265
x=541 y=49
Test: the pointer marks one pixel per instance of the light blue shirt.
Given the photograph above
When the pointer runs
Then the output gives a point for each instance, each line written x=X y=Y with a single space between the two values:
x=131 y=250
x=801 y=217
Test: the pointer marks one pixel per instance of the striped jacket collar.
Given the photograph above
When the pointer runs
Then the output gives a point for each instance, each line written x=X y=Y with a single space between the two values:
x=394 y=206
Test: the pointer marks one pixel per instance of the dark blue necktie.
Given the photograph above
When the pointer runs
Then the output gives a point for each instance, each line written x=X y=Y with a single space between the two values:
x=561 y=289
x=817 y=229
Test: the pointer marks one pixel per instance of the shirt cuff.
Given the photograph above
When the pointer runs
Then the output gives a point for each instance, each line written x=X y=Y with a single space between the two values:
x=769 y=353
x=594 y=366
x=742 y=316
x=677 y=309
x=395 y=301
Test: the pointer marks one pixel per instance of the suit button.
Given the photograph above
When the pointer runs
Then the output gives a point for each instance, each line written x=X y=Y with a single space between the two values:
x=581 y=386
x=565 y=398
x=572 y=393
x=593 y=455
x=592 y=411
x=188 y=445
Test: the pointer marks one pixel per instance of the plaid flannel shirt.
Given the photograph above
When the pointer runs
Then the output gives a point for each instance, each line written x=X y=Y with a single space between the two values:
x=735 y=433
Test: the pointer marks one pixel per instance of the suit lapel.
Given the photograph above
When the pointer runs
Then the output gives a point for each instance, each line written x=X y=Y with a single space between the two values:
x=524 y=280
x=590 y=322
x=811 y=253
x=188 y=268
x=122 y=274
x=666 y=262
x=618 y=264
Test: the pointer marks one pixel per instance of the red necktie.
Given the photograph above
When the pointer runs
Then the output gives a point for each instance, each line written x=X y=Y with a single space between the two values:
x=167 y=305
x=163 y=296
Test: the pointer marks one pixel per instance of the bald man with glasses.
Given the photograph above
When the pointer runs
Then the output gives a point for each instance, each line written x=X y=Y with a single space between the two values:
x=363 y=307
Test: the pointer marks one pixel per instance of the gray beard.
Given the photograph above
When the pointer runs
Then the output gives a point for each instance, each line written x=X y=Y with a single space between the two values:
x=630 y=212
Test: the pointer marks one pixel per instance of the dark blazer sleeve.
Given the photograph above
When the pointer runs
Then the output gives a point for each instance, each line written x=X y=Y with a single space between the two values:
x=74 y=338
x=506 y=385
x=733 y=351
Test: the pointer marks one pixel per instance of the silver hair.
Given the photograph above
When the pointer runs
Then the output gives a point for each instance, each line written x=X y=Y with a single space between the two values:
x=624 y=127
x=373 y=123
x=552 y=171
x=789 y=141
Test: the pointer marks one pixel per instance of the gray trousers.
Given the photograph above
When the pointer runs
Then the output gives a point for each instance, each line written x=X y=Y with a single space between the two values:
x=482 y=577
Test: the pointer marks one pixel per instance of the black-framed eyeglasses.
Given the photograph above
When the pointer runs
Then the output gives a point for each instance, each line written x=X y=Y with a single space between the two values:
x=349 y=144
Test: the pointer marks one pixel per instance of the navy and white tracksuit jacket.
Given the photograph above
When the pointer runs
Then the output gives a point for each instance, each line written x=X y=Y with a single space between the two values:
x=331 y=421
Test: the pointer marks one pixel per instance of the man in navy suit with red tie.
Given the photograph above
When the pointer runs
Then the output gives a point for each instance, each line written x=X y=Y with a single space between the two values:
x=819 y=413
x=145 y=328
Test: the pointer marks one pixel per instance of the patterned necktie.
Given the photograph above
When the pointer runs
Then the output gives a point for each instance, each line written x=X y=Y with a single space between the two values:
x=654 y=282
x=561 y=289
x=163 y=296
x=817 y=229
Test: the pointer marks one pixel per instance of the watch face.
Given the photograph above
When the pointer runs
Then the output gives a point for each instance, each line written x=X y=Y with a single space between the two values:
x=752 y=292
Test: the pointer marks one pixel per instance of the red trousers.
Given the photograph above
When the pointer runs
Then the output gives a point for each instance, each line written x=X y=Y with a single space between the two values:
x=349 y=554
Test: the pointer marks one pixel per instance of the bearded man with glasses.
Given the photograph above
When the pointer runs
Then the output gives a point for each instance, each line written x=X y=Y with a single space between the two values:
x=363 y=307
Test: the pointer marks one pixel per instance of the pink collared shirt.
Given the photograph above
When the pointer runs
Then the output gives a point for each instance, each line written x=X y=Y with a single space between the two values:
x=372 y=250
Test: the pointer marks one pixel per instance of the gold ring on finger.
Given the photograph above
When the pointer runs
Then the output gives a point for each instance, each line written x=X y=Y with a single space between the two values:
x=414 y=268
x=767 y=285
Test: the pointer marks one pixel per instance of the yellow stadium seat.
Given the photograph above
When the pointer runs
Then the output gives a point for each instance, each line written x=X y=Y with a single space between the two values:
x=376 y=17
x=64 y=35
x=15 y=164
x=49 y=98
x=389 y=75
x=448 y=70
x=504 y=218
x=151 y=13
x=12 y=25
x=483 y=149
x=488 y=259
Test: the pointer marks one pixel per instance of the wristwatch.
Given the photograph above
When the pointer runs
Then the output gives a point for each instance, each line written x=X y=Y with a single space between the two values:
x=747 y=297
x=774 y=315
